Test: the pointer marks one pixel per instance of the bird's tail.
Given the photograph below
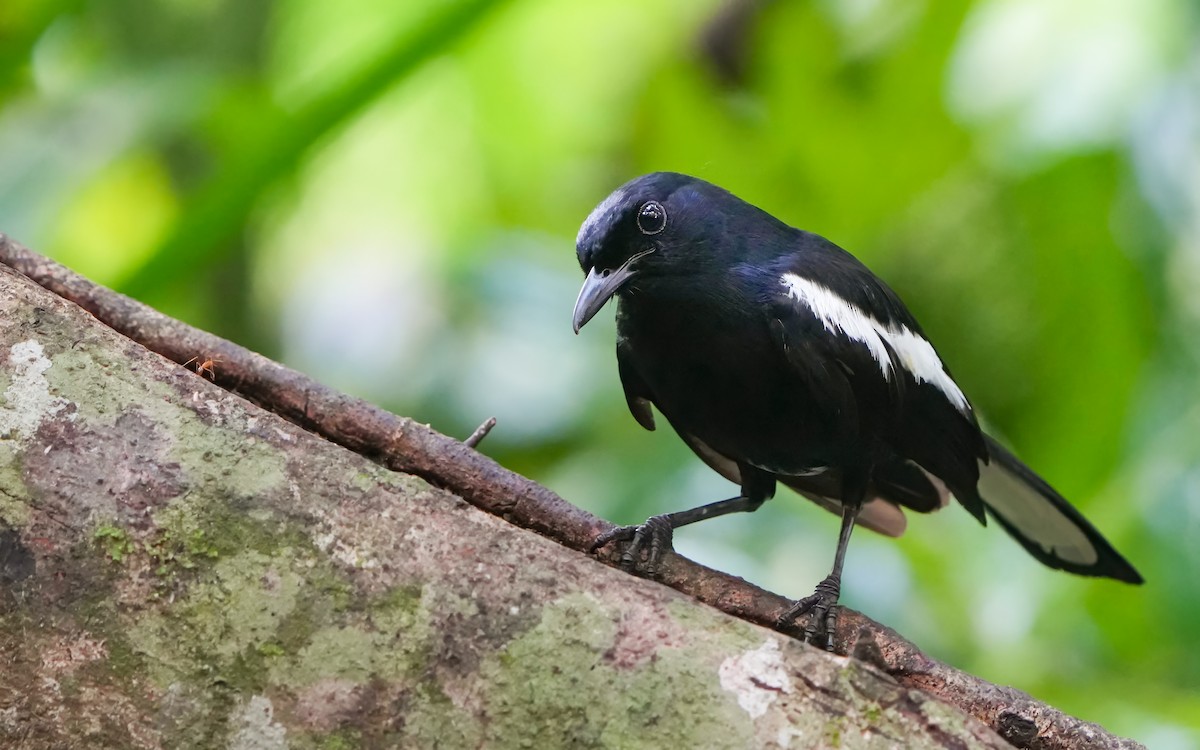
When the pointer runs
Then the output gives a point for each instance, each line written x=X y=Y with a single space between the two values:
x=1045 y=524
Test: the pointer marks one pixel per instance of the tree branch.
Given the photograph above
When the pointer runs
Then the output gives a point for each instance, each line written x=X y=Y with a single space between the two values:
x=406 y=446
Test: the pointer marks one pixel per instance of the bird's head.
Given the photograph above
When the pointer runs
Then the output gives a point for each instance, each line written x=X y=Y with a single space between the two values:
x=632 y=232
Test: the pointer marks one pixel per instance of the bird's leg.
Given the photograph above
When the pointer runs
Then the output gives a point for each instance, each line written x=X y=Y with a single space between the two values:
x=821 y=607
x=657 y=531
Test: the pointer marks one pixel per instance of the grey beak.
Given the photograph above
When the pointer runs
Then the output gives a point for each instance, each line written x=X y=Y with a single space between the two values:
x=598 y=287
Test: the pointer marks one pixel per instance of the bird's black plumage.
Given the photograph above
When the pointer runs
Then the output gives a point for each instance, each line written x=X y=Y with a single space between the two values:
x=779 y=357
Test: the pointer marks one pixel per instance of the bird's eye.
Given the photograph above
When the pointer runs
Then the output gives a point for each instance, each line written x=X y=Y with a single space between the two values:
x=652 y=217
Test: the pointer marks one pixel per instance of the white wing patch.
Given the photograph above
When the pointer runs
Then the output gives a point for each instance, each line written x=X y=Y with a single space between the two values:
x=915 y=353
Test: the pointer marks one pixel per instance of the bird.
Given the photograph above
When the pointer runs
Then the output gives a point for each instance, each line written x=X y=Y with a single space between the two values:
x=780 y=358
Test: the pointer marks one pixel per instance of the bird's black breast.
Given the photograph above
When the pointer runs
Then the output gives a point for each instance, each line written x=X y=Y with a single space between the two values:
x=705 y=352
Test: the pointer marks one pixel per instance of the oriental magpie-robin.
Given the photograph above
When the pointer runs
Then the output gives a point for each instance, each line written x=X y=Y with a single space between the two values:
x=779 y=357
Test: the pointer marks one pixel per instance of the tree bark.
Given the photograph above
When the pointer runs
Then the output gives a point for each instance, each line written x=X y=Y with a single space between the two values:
x=181 y=568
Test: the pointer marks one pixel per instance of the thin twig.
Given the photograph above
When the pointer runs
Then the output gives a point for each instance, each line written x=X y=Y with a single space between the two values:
x=480 y=433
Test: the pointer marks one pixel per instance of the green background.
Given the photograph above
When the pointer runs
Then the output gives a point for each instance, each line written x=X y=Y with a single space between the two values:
x=385 y=195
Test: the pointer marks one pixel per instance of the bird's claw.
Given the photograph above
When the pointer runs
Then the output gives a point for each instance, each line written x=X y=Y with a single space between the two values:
x=821 y=609
x=657 y=532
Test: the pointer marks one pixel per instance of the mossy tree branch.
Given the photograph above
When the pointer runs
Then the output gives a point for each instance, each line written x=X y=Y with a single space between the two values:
x=178 y=563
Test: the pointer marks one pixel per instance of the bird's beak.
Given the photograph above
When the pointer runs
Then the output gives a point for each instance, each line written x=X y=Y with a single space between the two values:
x=598 y=287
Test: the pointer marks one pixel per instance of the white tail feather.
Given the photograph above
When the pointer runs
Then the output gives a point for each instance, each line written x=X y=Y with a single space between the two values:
x=1033 y=515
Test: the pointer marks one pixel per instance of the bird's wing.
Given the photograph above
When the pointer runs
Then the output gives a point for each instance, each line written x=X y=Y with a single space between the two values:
x=845 y=333
x=1045 y=524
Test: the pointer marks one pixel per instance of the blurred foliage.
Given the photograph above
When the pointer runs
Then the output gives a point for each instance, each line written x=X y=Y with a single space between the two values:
x=385 y=195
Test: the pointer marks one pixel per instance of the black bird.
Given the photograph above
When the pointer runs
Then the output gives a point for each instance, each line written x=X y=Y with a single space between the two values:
x=779 y=357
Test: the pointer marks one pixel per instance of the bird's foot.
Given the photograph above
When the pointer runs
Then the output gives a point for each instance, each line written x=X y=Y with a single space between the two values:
x=821 y=609
x=653 y=536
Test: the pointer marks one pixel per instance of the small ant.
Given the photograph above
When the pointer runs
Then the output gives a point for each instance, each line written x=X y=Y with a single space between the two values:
x=208 y=366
